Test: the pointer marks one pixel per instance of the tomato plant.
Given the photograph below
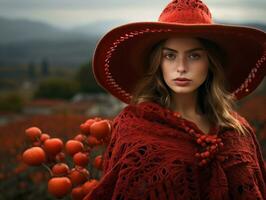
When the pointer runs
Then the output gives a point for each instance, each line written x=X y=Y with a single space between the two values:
x=72 y=178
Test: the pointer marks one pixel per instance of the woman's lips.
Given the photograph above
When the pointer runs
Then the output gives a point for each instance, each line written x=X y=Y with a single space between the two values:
x=182 y=81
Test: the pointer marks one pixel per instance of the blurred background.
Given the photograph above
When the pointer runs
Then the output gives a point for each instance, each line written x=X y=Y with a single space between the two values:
x=46 y=79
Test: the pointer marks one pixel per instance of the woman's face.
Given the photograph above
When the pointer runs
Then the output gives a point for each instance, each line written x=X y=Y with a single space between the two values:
x=184 y=64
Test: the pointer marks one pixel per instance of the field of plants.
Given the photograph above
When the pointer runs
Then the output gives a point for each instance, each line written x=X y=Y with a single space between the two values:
x=18 y=181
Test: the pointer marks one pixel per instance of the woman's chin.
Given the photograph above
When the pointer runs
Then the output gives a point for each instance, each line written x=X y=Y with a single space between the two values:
x=183 y=90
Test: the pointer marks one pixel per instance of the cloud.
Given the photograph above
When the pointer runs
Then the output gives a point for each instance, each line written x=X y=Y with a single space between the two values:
x=77 y=4
x=245 y=14
x=69 y=13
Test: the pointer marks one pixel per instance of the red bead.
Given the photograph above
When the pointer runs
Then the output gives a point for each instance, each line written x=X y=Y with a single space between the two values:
x=208 y=139
x=207 y=154
x=219 y=140
x=204 y=161
x=203 y=137
x=221 y=144
x=176 y=114
x=212 y=151
x=199 y=141
x=213 y=141
x=203 y=144
x=197 y=155
x=213 y=147
x=197 y=135
x=191 y=131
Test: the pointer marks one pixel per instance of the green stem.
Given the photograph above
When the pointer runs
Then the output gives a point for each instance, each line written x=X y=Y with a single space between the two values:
x=48 y=169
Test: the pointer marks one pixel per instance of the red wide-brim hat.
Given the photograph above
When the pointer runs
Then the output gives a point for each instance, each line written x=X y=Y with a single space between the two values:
x=121 y=56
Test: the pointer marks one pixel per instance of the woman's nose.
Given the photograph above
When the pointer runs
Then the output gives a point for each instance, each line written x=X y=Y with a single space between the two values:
x=181 y=65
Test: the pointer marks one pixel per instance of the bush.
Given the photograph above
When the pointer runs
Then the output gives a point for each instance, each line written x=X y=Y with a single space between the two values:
x=11 y=103
x=86 y=80
x=57 y=88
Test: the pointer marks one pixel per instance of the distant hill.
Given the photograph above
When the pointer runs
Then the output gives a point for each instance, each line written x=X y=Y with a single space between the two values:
x=101 y=27
x=24 y=41
x=260 y=26
x=24 y=30
x=21 y=30
x=63 y=53
x=98 y=28
x=250 y=24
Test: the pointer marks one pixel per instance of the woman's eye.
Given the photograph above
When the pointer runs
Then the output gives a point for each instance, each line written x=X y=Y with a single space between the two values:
x=170 y=56
x=194 y=56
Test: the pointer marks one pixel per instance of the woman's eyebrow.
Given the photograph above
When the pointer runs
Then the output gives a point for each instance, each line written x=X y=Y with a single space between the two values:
x=187 y=51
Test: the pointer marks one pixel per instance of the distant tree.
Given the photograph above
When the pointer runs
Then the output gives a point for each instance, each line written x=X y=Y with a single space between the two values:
x=57 y=88
x=11 y=102
x=32 y=71
x=8 y=84
x=45 y=69
x=86 y=80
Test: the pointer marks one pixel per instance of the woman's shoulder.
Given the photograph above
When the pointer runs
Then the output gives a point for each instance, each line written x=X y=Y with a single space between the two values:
x=242 y=120
x=129 y=112
x=137 y=110
x=130 y=118
x=246 y=135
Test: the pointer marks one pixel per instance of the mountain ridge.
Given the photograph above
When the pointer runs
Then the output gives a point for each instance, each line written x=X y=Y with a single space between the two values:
x=24 y=41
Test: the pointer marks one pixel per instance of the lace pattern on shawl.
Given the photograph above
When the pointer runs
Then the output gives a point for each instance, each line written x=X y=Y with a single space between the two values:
x=151 y=157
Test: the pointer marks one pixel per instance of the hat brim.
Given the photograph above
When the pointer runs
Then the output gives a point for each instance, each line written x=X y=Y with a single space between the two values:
x=121 y=55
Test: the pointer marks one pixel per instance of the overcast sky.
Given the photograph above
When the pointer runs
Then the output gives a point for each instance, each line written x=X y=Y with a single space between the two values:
x=69 y=13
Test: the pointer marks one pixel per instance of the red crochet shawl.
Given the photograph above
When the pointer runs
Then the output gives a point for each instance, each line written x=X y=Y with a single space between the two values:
x=155 y=154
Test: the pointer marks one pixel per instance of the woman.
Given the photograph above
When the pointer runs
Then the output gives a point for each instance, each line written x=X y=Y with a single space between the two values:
x=179 y=137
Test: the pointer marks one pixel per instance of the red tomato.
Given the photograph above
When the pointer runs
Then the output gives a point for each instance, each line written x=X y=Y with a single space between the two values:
x=34 y=156
x=33 y=133
x=89 y=186
x=73 y=147
x=53 y=146
x=79 y=176
x=77 y=193
x=80 y=138
x=92 y=141
x=60 y=169
x=59 y=186
x=85 y=127
x=100 y=129
x=60 y=157
x=44 y=137
x=98 y=162
x=81 y=159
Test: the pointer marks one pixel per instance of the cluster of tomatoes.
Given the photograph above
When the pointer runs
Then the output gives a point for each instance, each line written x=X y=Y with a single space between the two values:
x=51 y=153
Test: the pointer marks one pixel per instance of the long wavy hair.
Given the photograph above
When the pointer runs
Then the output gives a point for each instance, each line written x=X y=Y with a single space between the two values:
x=213 y=99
